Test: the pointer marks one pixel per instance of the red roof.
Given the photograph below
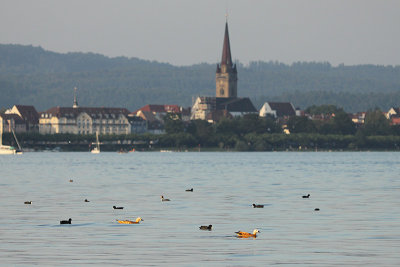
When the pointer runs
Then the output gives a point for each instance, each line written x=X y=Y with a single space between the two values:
x=395 y=120
x=160 y=109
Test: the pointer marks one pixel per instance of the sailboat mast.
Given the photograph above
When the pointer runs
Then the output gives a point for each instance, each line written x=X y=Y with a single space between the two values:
x=16 y=140
x=97 y=141
x=1 y=131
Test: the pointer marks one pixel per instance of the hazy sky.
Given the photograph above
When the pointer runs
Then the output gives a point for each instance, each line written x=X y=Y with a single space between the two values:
x=185 y=32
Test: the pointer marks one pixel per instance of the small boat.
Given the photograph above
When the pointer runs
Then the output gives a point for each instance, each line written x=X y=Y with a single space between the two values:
x=8 y=150
x=205 y=227
x=96 y=149
x=118 y=208
x=258 y=206
x=138 y=219
x=241 y=234
x=66 y=221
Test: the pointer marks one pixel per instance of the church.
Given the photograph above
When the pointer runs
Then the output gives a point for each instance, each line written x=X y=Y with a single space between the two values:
x=226 y=103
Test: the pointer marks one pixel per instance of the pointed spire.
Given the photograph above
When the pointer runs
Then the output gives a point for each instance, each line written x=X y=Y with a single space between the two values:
x=226 y=50
x=75 y=105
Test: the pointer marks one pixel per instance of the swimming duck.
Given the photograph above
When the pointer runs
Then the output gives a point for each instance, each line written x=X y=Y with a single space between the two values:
x=241 y=234
x=258 y=206
x=118 y=208
x=306 y=196
x=86 y=200
x=71 y=181
x=66 y=222
x=28 y=202
x=189 y=190
x=204 y=227
x=138 y=219
x=164 y=199
x=316 y=209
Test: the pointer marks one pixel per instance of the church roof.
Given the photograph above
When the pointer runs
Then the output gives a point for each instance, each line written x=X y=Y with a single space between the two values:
x=159 y=108
x=282 y=108
x=234 y=104
x=226 y=49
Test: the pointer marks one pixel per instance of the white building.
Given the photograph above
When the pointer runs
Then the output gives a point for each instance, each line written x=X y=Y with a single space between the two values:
x=277 y=109
x=84 y=120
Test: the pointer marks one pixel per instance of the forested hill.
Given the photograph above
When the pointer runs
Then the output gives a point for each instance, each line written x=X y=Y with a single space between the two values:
x=33 y=76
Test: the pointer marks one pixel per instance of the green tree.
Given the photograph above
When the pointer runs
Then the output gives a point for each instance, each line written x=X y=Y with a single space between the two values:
x=343 y=124
x=322 y=109
x=376 y=123
x=173 y=123
x=202 y=130
x=301 y=124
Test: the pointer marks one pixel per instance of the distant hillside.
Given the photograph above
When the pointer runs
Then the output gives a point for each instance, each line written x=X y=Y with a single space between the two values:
x=31 y=75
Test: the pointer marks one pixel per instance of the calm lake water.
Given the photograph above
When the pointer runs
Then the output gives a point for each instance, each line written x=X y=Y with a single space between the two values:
x=358 y=194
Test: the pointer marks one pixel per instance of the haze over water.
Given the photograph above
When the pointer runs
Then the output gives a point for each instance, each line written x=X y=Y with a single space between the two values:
x=358 y=194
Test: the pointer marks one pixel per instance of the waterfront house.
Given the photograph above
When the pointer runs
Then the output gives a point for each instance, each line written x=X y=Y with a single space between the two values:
x=28 y=115
x=12 y=122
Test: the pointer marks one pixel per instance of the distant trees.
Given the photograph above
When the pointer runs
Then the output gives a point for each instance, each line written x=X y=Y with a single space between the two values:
x=376 y=123
x=33 y=76
x=322 y=109
x=301 y=125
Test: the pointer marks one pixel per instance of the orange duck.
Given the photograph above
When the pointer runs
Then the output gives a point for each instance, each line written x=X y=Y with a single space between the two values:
x=138 y=219
x=241 y=234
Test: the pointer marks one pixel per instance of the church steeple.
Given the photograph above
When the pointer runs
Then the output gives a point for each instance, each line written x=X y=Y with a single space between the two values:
x=226 y=75
x=75 y=105
x=226 y=49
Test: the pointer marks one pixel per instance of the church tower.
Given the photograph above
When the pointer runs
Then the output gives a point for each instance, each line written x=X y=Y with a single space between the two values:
x=226 y=75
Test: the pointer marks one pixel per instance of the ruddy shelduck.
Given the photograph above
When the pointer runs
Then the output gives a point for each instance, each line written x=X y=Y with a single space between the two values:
x=138 y=219
x=241 y=234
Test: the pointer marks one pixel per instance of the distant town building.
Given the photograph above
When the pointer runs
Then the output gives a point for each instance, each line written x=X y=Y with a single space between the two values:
x=29 y=117
x=12 y=122
x=159 y=111
x=153 y=124
x=225 y=103
x=154 y=116
x=277 y=109
x=358 y=118
x=393 y=115
x=84 y=120
x=138 y=124
x=213 y=109
x=393 y=111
